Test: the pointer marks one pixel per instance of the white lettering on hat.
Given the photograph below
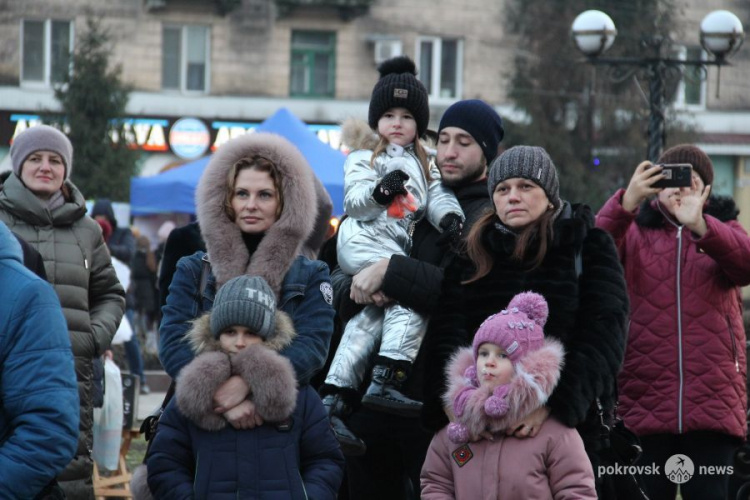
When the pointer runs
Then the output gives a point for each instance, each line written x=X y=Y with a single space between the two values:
x=539 y=174
x=401 y=93
x=258 y=296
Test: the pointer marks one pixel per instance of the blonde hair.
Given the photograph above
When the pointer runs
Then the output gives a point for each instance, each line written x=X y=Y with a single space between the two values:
x=261 y=164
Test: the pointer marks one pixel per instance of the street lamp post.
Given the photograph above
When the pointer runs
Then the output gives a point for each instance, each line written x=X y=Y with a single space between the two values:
x=594 y=32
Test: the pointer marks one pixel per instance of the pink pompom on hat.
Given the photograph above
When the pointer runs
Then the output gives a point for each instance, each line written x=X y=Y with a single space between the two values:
x=517 y=329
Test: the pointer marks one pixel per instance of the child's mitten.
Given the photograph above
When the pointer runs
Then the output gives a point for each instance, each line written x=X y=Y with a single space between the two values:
x=390 y=185
x=452 y=225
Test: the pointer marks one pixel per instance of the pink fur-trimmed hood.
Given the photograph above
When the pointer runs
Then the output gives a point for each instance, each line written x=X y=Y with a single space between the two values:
x=284 y=239
x=478 y=409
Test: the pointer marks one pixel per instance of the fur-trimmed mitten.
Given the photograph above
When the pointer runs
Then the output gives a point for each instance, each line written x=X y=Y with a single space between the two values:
x=497 y=404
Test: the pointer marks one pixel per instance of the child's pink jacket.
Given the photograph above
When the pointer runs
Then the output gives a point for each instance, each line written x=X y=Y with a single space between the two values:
x=551 y=465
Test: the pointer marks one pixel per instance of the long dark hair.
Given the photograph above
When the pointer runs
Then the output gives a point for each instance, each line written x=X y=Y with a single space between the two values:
x=532 y=243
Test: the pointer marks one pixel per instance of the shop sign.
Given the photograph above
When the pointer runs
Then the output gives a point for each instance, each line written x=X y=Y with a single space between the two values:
x=189 y=138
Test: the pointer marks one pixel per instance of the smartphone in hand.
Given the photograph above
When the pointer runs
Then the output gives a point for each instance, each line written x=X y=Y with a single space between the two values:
x=675 y=175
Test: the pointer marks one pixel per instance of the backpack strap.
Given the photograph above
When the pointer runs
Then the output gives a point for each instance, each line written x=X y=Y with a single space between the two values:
x=205 y=270
x=151 y=423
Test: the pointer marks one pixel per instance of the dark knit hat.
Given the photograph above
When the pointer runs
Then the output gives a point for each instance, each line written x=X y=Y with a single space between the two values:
x=247 y=301
x=687 y=153
x=527 y=162
x=41 y=138
x=398 y=87
x=517 y=329
x=479 y=120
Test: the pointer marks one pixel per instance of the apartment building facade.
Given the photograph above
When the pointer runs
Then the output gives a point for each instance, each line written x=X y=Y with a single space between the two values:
x=207 y=70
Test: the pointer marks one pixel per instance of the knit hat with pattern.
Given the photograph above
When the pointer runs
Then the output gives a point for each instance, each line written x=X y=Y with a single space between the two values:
x=41 y=138
x=527 y=162
x=398 y=87
x=517 y=329
x=247 y=301
x=687 y=153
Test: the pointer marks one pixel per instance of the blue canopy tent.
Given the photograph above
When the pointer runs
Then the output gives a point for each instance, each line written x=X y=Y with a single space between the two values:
x=174 y=190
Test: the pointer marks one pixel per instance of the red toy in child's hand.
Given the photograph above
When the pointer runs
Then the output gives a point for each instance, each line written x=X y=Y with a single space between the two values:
x=402 y=205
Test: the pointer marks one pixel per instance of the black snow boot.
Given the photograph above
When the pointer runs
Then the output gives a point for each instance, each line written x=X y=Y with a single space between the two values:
x=384 y=393
x=338 y=410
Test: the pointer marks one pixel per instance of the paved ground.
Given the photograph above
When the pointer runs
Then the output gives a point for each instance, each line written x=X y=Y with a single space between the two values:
x=158 y=381
x=148 y=403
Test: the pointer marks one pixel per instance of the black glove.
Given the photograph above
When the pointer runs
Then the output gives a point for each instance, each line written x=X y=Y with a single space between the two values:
x=451 y=226
x=391 y=185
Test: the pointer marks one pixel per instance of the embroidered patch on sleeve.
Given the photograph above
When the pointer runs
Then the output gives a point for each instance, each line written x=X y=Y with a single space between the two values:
x=462 y=455
x=327 y=291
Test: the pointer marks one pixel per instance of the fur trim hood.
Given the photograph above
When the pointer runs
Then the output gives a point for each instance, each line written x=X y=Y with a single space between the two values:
x=283 y=240
x=722 y=208
x=269 y=375
x=201 y=339
x=478 y=409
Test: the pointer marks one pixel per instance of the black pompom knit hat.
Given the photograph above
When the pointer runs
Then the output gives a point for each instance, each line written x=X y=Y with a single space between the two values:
x=399 y=87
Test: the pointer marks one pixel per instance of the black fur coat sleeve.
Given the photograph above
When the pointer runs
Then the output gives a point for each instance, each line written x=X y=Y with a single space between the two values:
x=595 y=346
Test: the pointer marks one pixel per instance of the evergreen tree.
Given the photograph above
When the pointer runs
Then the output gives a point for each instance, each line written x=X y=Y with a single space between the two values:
x=593 y=127
x=93 y=100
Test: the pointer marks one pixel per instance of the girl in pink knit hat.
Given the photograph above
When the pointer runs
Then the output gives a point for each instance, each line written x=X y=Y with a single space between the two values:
x=509 y=371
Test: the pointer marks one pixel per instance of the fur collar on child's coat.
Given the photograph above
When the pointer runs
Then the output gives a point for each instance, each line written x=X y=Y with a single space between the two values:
x=269 y=375
x=536 y=376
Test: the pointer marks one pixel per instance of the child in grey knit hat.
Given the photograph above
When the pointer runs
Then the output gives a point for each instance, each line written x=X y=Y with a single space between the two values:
x=241 y=337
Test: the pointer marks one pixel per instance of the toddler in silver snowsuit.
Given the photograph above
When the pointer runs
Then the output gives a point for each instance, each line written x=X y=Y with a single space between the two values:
x=373 y=180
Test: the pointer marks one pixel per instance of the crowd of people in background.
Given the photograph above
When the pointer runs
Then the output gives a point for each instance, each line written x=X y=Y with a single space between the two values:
x=460 y=336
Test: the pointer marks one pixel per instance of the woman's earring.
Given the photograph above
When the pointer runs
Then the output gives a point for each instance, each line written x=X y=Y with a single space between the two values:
x=550 y=206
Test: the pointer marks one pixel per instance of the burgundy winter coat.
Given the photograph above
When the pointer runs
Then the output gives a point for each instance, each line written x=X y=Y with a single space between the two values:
x=684 y=364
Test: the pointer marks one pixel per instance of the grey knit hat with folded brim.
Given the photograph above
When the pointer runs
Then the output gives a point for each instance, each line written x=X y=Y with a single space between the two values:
x=246 y=301
x=527 y=162
x=41 y=138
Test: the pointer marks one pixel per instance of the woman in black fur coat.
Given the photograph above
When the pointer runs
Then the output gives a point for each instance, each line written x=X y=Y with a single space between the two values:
x=534 y=241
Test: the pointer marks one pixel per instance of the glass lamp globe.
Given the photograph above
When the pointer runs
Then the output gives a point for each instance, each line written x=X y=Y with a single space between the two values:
x=593 y=32
x=721 y=33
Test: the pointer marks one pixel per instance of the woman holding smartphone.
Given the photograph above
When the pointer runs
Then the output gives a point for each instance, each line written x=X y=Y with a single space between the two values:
x=682 y=387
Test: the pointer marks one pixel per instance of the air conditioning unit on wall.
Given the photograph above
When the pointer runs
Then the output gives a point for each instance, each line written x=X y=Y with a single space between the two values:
x=385 y=49
x=155 y=4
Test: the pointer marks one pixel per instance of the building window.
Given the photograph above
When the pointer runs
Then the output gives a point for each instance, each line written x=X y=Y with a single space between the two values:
x=313 y=71
x=184 y=61
x=691 y=90
x=440 y=66
x=46 y=48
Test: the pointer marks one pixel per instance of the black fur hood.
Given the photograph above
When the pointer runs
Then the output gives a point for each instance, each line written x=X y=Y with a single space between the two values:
x=569 y=230
x=722 y=208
